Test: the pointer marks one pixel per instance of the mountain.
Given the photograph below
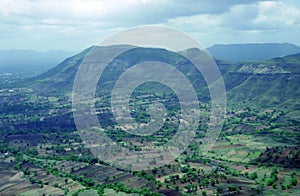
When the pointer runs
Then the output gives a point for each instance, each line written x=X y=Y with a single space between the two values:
x=246 y=52
x=261 y=84
x=270 y=83
x=60 y=79
x=29 y=61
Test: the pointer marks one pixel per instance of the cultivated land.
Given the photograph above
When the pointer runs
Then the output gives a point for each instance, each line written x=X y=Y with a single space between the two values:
x=257 y=152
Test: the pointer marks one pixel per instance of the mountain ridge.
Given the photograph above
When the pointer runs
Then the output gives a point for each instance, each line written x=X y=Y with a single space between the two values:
x=269 y=83
x=252 y=51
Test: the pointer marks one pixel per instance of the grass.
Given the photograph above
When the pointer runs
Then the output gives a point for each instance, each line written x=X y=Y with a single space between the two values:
x=48 y=190
x=243 y=147
x=112 y=192
x=90 y=192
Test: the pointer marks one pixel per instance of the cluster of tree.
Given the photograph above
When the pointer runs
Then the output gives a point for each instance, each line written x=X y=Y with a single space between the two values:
x=293 y=182
x=271 y=181
x=120 y=187
x=285 y=156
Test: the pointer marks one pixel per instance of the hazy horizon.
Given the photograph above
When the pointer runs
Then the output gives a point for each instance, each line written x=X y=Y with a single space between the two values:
x=79 y=50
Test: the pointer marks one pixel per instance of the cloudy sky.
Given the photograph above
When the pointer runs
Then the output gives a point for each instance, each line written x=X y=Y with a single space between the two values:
x=76 y=24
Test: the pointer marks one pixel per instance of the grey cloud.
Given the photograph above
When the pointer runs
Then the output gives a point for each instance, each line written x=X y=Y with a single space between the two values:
x=159 y=13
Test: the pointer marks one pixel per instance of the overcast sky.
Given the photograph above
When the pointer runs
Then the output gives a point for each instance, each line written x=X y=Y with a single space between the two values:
x=77 y=24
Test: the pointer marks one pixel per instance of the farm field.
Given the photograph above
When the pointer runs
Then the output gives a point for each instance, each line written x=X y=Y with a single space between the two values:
x=257 y=152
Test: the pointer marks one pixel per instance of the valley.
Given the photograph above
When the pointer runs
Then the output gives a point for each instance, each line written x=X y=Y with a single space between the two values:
x=257 y=152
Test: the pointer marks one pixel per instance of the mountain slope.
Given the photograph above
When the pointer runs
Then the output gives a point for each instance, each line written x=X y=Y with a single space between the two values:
x=263 y=84
x=271 y=83
x=245 y=52
x=60 y=79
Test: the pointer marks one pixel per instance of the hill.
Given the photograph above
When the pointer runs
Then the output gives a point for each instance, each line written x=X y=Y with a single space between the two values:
x=60 y=79
x=270 y=83
x=245 y=52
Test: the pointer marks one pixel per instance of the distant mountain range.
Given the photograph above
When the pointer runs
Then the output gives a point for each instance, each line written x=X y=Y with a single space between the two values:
x=33 y=63
x=252 y=52
x=29 y=61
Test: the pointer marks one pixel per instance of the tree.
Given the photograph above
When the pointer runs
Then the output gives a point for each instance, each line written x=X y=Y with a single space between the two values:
x=294 y=181
x=232 y=189
x=212 y=182
x=191 y=188
x=26 y=171
x=88 y=181
x=253 y=176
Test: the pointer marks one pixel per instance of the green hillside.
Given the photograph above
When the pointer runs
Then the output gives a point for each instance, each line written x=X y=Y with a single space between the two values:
x=262 y=84
x=254 y=84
